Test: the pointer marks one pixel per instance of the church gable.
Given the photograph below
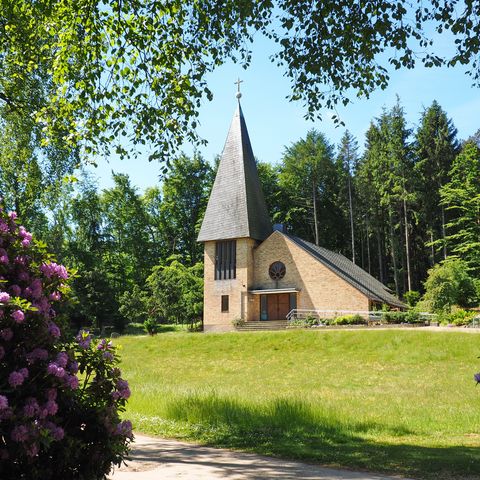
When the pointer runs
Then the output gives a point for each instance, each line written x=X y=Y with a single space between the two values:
x=318 y=287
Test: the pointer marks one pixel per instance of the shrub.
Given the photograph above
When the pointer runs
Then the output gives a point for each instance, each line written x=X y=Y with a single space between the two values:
x=448 y=284
x=458 y=317
x=412 y=297
x=151 y=326
x=349 y=320
x=238 y=322
x=412 y=316
x=54 y=423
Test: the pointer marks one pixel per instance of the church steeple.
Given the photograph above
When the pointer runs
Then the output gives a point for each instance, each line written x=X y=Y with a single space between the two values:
x=236 y=208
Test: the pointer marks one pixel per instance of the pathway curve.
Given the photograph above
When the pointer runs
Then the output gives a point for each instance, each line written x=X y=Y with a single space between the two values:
x=158 y=459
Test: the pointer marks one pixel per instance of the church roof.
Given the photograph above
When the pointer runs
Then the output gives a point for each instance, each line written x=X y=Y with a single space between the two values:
x=351 y=273
x=236 y=207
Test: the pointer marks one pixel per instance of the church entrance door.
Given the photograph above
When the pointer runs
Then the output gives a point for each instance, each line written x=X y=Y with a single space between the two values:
x=278 y=306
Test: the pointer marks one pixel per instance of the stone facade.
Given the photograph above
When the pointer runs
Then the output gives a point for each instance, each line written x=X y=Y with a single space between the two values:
x=319 y=287
x=236 y=289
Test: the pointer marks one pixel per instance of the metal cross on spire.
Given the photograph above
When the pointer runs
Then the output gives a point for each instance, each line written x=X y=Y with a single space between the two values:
x=239 y=94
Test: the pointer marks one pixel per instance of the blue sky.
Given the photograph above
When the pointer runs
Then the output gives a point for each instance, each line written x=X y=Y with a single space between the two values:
x=274 y=122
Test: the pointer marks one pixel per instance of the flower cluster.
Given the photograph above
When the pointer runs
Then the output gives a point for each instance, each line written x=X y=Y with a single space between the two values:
x=52 y=388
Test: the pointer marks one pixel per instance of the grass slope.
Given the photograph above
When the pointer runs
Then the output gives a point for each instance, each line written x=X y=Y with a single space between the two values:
x=391 y=401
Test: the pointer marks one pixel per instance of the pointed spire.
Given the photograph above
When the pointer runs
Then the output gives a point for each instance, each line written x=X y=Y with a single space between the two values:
x=236 y=208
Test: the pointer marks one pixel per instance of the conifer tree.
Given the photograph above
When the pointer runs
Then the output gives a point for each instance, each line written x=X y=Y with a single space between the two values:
x=461 y=196
x=436 y=146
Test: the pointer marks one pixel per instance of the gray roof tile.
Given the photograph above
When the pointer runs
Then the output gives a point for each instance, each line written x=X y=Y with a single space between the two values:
x=236 y=207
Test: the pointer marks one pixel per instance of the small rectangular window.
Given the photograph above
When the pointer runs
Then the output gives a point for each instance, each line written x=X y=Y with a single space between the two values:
x=226 y=260
x=224 y=303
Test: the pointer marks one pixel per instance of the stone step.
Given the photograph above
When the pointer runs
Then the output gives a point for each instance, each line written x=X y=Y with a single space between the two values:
x=263 y=325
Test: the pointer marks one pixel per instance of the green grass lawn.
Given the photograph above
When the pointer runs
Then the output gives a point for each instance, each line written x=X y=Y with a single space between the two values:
x=393 y=401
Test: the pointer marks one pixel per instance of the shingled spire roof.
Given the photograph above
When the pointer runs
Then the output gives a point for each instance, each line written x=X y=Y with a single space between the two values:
x=236 y=207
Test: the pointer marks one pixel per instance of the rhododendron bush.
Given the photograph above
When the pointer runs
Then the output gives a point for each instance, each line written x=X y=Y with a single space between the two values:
x=60 y=397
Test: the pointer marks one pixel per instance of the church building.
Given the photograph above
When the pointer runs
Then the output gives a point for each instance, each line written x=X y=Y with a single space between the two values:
x=256 y=272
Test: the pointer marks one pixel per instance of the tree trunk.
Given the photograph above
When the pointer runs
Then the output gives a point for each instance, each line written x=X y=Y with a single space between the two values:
x=407 y=248
x=351 y=217
x=394 y=254
x=432 y=259
x=444 y=234
x=380 y=257
x=368 y=246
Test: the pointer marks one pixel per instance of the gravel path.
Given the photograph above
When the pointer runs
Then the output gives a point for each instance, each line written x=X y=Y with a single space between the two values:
x=156 y=458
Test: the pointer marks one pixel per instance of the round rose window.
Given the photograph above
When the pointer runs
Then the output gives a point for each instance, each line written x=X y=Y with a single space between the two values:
x=277 y=270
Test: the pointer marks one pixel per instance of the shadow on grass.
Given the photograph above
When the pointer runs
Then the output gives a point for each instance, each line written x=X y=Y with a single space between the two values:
x=295 y=430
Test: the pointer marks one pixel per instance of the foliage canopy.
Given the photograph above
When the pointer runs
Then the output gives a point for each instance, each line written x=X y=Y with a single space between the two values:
x=97 y=72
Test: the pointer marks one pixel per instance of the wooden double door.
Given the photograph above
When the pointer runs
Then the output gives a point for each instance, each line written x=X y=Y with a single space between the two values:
x=275 y=306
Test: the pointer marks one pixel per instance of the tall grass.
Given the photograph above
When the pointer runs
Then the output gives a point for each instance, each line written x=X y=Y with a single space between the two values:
x=394 y=401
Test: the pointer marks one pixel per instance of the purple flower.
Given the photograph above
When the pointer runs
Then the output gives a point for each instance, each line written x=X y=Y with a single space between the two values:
x=15 y=379
x=19 y=433
x=73 y=368
x=21 y=260
x=16 y=290
x=24 y=372
x=23 y=276
x=25 y=236
x=4 y=259
x=31 y=407
x=3 y=402
x=6 y=334
x=18 y=316
x=84 y=339
x=55 y=370
x=104 y=345
x=58 y=433
x=12 y=215
x=62 y=359
x=36 y=287
x=52 y=269
x=51 y=394
x=123 y=391
x=51 y=407
x=108 y=356
x=55 y=296
x=3 y=226
x=37 y=354
x=72 y=381
x=4 y=297
x=476 y=377
x=53 y=330
x=124 y=429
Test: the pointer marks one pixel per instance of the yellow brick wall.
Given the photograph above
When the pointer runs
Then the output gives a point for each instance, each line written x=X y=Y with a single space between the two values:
x=320 y=288
x=236 y=289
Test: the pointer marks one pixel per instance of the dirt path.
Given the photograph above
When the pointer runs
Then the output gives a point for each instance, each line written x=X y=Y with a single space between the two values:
x=156 y=458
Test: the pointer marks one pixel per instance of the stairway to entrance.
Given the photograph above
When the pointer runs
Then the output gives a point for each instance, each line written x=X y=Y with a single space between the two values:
x=263 y=326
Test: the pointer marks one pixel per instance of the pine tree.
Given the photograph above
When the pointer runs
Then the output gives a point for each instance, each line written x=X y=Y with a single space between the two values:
x=435 y=149
x=348 y=159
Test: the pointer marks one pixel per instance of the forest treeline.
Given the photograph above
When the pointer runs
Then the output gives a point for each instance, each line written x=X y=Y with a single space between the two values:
x=409 y=201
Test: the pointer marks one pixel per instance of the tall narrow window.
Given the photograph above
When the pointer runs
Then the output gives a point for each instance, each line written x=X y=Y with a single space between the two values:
x=224 y=303
x=226 y=260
